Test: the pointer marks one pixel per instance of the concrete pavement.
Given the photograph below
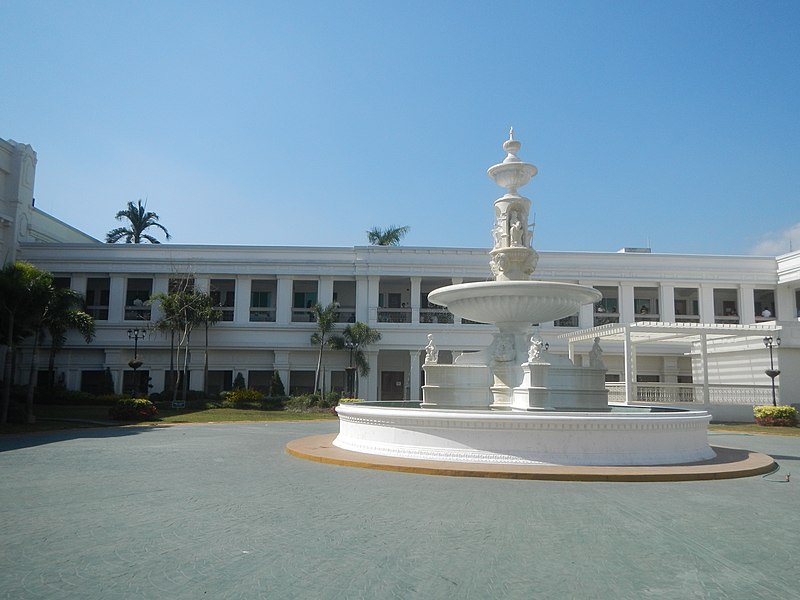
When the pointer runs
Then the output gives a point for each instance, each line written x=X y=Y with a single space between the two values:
x=221 y=511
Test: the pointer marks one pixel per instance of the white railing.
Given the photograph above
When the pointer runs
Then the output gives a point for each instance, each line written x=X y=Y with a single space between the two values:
x=674 y=393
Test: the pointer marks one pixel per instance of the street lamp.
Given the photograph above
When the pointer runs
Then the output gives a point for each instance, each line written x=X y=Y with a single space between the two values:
x=135 y=335
x=351 y=370
x=772 y=372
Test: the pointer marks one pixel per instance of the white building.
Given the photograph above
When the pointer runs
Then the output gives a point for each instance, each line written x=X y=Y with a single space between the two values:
x=265 y=292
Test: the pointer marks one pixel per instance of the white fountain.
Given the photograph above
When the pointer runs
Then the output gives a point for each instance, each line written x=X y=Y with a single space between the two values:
x=515 y=402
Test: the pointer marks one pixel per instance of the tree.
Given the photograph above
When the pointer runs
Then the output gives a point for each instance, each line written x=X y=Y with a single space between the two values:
x=181 y=313
x=208 y=314
x=56 y=310
x=65 y=313
x=355 y=338
x=140 y=220
x=24 y=293
x=326 y=320
x=390 y=236
x=276 y=385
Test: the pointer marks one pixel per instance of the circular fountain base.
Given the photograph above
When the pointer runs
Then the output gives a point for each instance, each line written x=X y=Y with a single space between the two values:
x=620 y=436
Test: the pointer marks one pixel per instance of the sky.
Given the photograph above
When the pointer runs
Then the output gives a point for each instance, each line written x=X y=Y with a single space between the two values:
x=673 y=125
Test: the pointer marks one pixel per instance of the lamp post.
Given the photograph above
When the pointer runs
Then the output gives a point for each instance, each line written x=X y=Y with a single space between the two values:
x=135 y=335
x=351 y=370
x=772 y=372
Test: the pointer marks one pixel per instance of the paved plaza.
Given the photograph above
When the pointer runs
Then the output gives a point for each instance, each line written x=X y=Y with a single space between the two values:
x=221 y=511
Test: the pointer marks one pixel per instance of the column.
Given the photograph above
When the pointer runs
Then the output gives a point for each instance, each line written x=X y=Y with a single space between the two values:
x=415 y=293
x=116 y=298
x=706 y=303
x=283 y=305
x=626 y=308
x=241 y=300
x=362 y=300
x=666 y=301
x=374 y=284
x=414 y=385
x=325 y=290
x=747 y=304
x=630 y=371
x=202 y=284
x=586 y=316
x=281 y=365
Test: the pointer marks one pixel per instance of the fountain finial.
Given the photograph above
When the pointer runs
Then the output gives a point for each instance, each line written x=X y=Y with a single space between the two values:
x=511 y=133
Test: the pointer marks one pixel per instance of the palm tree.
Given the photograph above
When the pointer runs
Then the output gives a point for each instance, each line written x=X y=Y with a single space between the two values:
x=390 y=236
x=65 y=313
x=325 y=319
x=24 y=293
x=208 y=314
x=355 y=338
x=140 y=220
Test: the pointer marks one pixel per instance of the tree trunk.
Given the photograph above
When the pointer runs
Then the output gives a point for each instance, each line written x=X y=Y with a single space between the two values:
x=7 y=370
x=29 y=418
x=205 y=365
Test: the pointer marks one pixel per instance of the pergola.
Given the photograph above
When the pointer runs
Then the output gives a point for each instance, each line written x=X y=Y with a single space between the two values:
x=633 y=334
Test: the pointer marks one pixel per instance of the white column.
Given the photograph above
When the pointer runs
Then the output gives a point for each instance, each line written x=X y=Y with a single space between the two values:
x=666 y=301
x=362 y=299
x=626 y=308
x=414 y=385
x=707 y=303
x=116 y=298
x=630 y=371
x=586 y=316
x=374 y=283
x=415 y=292
x=202 y=284
x=325 y=290
x=747 y=304
x=241 y=300
x=704 y=366
x=283 y=304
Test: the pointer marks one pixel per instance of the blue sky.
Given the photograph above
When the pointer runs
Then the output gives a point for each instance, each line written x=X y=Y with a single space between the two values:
x=306 y=123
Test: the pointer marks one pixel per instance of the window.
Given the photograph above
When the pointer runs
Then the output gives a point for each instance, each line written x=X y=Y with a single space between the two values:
x=344 y=293
x=136 y=299
x=262 y=300
x=180 y=284
x=645 y=304
x=98 y=290
x=304 y=297
x=62 y=283
x=687 y=305
x=219 y=381
x=607 y=310
x=223 y=293
x=725 y=306
x=571 y=321
x=764 y=301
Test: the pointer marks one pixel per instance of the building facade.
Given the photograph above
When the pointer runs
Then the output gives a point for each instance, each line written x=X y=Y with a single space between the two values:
x=265 y=293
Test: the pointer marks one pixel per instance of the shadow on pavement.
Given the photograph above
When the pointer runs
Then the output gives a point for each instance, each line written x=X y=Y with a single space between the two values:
x=16 y=441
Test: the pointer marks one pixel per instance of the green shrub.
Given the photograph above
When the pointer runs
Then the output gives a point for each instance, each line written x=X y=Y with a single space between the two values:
x=776 y=416
x=349 y=400
x=133 y=409
x=64 y=397
x=238 y=382
x=276 y=386
x=239 y=397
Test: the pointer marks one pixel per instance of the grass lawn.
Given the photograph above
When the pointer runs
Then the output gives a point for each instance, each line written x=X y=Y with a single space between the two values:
x=71 y=417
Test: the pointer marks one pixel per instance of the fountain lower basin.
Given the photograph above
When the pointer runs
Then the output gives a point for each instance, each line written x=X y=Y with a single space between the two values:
x=621 y=435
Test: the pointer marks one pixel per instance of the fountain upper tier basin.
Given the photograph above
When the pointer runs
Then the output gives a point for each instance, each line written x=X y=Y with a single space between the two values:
x=514 y=304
